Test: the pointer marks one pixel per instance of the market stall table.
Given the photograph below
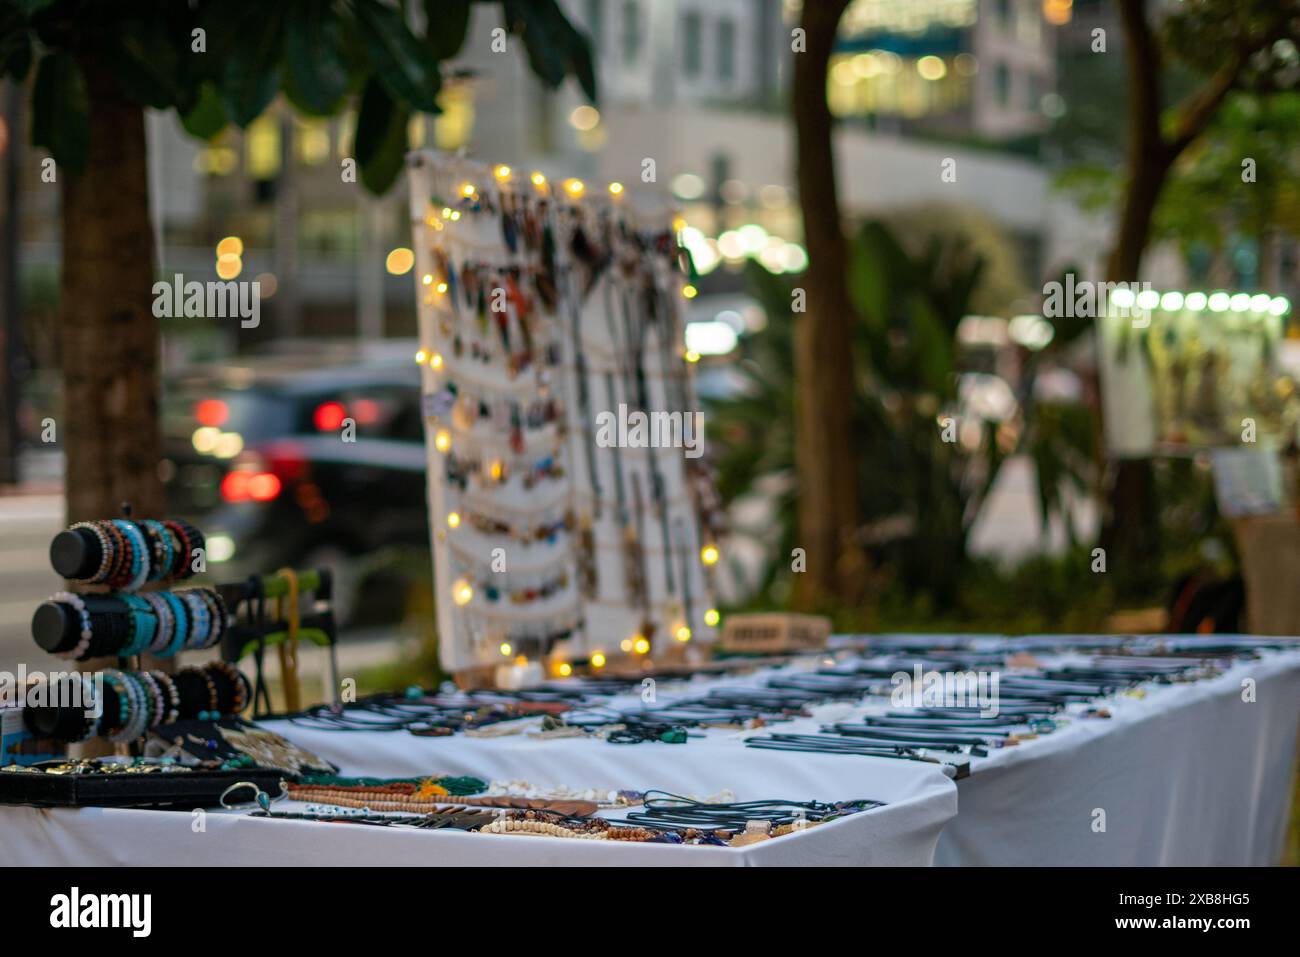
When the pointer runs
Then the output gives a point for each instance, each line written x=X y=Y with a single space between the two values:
x=1190 y=774
x=920 y=802
x=1187 y=774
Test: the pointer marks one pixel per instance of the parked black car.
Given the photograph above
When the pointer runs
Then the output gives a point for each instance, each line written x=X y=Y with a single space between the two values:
x=257 y=455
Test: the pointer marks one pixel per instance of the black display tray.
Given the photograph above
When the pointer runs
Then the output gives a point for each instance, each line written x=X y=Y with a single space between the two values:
x=187 y=789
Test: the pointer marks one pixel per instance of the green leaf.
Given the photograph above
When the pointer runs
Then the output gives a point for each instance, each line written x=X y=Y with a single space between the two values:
x=316 y=78
x=402 y=63
x=61 y=111
x=380 y=138
x=533 y=21
x=252 y=72
x=447 y=25
x=207 y=117
x=146 y=63
x=554 y=46
x=15 y=43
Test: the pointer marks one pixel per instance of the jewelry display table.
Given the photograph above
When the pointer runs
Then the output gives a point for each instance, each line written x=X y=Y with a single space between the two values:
x=1192 y=772
x=1189 y=775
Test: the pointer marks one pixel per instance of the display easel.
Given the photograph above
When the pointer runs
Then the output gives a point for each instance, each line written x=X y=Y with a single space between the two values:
x=542 y=306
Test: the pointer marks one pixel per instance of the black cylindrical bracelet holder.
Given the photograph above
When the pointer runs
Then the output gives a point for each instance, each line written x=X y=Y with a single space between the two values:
x=56 y=625
x=76 y=553
x=69 y=723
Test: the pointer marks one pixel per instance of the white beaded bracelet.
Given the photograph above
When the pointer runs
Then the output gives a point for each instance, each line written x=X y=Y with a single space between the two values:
x=72 y=598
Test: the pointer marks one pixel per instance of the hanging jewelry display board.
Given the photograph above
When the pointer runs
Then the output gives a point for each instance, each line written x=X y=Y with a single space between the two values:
x=1185 y=372
x=572 y=515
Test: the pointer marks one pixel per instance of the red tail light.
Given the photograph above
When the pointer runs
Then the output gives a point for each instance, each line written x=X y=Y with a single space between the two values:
x=242 y=485
x=211 y=412
x=261 y=476
x=329 y=416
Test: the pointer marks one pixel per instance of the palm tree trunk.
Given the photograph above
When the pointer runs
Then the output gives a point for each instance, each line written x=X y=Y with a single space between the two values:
x=826 y=457
x=108 y=333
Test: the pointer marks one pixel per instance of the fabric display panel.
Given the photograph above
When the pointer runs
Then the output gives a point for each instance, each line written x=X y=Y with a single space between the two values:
x=549 y=318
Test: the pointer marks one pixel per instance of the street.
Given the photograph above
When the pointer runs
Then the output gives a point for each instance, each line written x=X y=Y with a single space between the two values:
x=27 y=523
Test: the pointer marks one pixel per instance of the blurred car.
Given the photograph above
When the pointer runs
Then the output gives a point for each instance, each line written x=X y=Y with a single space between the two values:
x=257 y=456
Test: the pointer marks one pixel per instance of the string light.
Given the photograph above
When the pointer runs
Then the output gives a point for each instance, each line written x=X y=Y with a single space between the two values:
x=420 y=357
x=442 y=441
x=462 y=592
x=709 y=554
x=400 y=261
x=521 y=660
x=502 y=171
x=538 y=180
x=683 y=633
x=626 y=644
x=711 y=617
x=691 y=356
x=441 y=287
x=574 y=187
x=435 y=361
x=427 y=279
x=229 y=265
x=565 y=669
x=467 y=190
x=506 y=649
x=597 y=659
x=641 y=645
x=453 y=519
x=615 y=189
x=689 y=291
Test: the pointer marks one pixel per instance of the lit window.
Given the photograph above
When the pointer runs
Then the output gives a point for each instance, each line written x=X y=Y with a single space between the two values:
x=452 y=128
x=262 y=147
x=313 y=142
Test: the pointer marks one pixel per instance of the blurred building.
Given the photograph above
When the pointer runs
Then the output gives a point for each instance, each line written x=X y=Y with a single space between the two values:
x=692 y=95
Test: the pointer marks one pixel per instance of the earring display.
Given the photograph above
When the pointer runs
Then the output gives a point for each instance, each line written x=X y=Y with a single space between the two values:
x=1188 y=371
x=543 y=313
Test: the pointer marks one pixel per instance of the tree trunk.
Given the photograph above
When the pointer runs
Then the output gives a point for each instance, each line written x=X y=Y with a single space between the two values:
x=108 y=333
x=1130 y=531
x=825 y=443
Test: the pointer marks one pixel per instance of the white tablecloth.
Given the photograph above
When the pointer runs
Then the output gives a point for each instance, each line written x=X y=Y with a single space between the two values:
x=920 y=801
x=1188 y=775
